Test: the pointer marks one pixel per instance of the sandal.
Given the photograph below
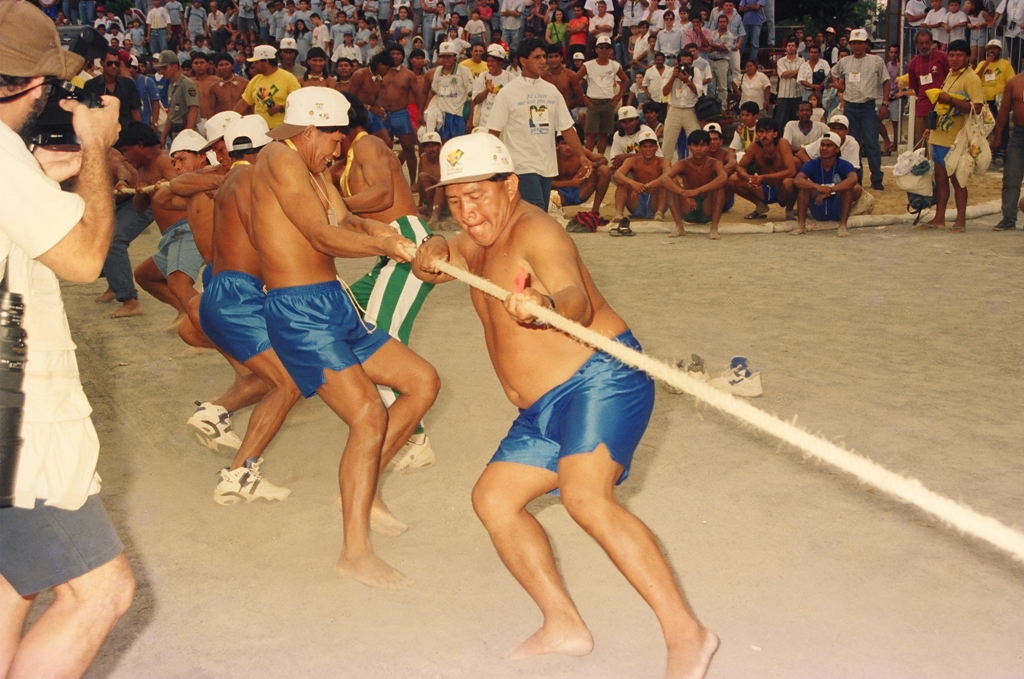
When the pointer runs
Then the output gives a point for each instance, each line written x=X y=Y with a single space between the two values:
x=756 y=215
x=623 y=228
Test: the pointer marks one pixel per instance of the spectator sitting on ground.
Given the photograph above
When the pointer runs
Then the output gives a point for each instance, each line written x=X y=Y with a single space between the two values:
x=827 y=187
x=701 y=197
x=575 y=183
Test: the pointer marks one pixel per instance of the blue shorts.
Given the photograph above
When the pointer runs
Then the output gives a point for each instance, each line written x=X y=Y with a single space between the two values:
x=207 y=275
x=570 y=195
x=939 y=154
x=231 y=315
x=729 y=203
x=45 y=546
x=453 y=126
x=373 y=123
x=830 y=209
x=398 y=123
x=770 y=194
x=177 y=251
x=315 y=328
x=604 y=402
x=643 y=207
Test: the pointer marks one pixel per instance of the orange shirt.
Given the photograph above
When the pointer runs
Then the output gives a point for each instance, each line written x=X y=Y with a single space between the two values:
x=579 y=38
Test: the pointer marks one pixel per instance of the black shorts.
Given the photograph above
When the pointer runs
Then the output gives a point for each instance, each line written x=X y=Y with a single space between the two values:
x=46 y=546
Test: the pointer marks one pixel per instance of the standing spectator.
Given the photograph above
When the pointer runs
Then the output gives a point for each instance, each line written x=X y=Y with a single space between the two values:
x=1013 y=36
x=862 y=79
x=935 y=21
x=114 y=85
x=477 y=29
x=814 y=73
x=431 y=11
x=682 y=90
x=217 y=29
x=176 y=11
x=157 y=22
x=737 y=28
x=264 y=19
x=579 y=26
x=633 y=12
x=753 y=18
x=556 y=33
x=892 y=67
x=149 y=98
x=754 y=86
x=654 y=81
x=698 y=35
x=927 y=71
x=722 y=44
x=511 y=23
x=267 y=92
x=527 y=115
x=994 y=72
x=321 y=36
x=137 y=33
x=602 y=24
x=670 y=39
x=915 y=14
x=602 y=99
x=789 y=94
x=182 y=98
x=452 y=85
x=196 y=17
x=487 y=85
x=956 y=22
x=247 y=20
x=978 y=19
x=961 y=94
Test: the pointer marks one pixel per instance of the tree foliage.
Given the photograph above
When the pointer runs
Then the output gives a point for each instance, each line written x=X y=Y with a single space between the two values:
x=820 y=14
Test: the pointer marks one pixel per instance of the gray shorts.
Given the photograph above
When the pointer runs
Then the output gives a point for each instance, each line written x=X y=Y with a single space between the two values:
x=177 y=251
x=45 y=546
x=247 y=25
x=600 y=117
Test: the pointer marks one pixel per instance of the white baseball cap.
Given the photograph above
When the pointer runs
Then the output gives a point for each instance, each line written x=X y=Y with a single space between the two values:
x=288 y=44
x=994 y=42
x=471 y=158
x=647 y=135
x=264 y=52
x=832 y=137
x=447 y=48
x=135 y=61
x=430 y=138
x=578 y=55
x=497 y=51
x=248 y=133
x=627 y=112
x=839 y=119
x=316 y=106
x=603 y=40
x=713 y=127
x=859 y=35
x=216 y=125
x=830 y=30
x=188 y=140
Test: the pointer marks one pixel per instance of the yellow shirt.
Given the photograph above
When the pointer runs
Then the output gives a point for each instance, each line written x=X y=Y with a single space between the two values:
x=994 y=77
x=475 y=69
x=964 y=85
x=264 y=91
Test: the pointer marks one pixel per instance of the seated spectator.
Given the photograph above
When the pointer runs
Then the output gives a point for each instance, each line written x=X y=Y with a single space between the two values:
x=626 y=140
x=803 y=130
x=849 y=148
x=575 y=183
x=762 y=172
x=638 y=186
x=701 y=197
x=827 y=186
x=746 y=133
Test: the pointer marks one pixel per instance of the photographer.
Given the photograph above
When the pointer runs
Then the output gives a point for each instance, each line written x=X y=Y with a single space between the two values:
x=57 y=535
x=682 y=90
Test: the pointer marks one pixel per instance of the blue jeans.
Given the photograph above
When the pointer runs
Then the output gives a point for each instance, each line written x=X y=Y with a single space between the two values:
x=751 y=43
x=769 y=18
x=535 y=189
x=428 y=34
x=128 y=224
x=512 y=37
x=87 y=11
x=1013 y=171
x=70 y=12
x=157 y=40
x=864 y=128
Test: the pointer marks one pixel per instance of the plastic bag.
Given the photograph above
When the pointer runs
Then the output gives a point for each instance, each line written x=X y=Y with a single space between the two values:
x=914 y=172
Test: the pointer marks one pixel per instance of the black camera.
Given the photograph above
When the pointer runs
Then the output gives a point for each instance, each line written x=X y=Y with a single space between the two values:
x=13 y=351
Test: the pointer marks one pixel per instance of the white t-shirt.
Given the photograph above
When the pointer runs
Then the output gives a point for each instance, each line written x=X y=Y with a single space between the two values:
x=512 y=23
x=352 y=53
x=630 y=144
x=752 y=89
x=937 y=16
x=321 y=36
x=492 y=84
x=682 y=96
x=807 y=73
x=58 y=456
x=958 y=18
x=529 y=112
x=606 y=22
x=452 y=90
x=849 y=151
x=655 y=83
x=601 y=79
x=790 y=88
x=158 y=18
x=796 y=137
x=917 y=8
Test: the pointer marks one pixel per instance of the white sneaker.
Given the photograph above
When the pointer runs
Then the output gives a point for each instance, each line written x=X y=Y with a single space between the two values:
x=695 y=369
x=212 y=425
x=414 y=454
x=739 y=380
x=246 y=483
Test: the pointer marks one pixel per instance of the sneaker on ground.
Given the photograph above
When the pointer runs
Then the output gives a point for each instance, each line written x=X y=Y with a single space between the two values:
x=246 y=484
x=695 y=369
x=739 y=380
x=212 y=425
x=416 y=453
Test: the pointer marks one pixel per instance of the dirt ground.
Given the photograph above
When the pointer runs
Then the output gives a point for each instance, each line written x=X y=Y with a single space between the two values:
x=904 y=346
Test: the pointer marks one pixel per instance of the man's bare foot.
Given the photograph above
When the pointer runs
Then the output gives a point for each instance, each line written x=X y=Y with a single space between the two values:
x=790 y=215
x=842 y=232
x=958 y=228
x=173 y=327
x=713 y=234
x=680 y=231
x=384 y=522
x=799 y=230
x=371 y=571
x=106 y=297
x=567 y=639
x=690 y=660
x=130 y=308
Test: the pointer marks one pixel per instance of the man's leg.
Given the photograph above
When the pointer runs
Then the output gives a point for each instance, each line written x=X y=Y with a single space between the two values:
x=1013 y=175
x=675 y=208
x=597 y=185
x=673 y=126
x=587 y=485
x=271 y=411
x=535 y=189
x=67 y=636
x=803 y=199
x=960 y=198
x=117 y=268
x=743 y=190
x=624 y=198
x=151 y=279
x=846 y=201
x=720 y=70
x=941 y=198
x=717 y=203
x=408 y=155
x=864 y=128
x=499 y=499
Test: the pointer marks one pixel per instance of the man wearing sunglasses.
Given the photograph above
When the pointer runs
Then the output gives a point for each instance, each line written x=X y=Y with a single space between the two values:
x=114 y=85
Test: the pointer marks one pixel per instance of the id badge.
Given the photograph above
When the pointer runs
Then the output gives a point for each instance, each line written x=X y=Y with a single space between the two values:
x=855 y=77
x=926 y=79
x=990 y=77
x=332 y=217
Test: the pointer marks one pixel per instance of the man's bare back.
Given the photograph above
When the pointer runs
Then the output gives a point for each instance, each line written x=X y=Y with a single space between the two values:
x=205 y=85
x=232 y=249
x=199 y=204
x=377 y=187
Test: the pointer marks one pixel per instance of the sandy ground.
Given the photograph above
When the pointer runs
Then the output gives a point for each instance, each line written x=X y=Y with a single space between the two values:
x=905 y=346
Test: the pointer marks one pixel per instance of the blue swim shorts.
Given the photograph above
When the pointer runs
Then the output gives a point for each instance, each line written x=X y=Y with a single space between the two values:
x=453 y=126
x=177 y=251
x=643 y=210
x=604 y=402
x=770 y=193
x=729 y=203
x=315 y=328
x=231 y=315
x=570 y=195
x=939 y=154
x=398 y=123
x=373 y=123
x=830 y=209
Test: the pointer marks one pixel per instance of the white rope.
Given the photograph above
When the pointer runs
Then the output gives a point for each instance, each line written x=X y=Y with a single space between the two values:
x=907 y=489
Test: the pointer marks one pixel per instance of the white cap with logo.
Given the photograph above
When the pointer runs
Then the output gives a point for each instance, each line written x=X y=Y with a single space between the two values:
x=216 y=125
x=248 y=133
x=430 y=138
x=472 y=158
x=497 y=51
x=316 y=106
x=264 y=53
x=188 y=140
x=859 y=35
x=289 y=44
x=627 y=112
x=604 y=40
x=713 y=127
x=447 y=48
x=839 y=119
x=832 y=137
x=647 y=135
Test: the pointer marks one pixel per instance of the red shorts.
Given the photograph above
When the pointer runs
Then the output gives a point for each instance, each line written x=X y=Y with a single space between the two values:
x=414 y=113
